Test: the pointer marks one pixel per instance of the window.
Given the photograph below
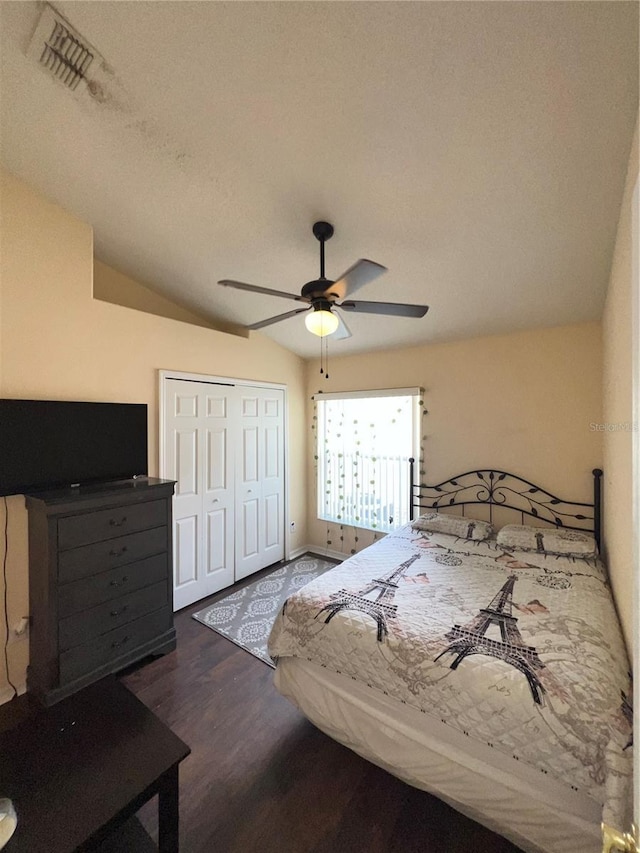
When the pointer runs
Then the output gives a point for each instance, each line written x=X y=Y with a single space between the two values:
x=364 y=441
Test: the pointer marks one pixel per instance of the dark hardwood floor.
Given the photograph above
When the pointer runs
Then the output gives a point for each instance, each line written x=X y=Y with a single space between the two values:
x=260 y=777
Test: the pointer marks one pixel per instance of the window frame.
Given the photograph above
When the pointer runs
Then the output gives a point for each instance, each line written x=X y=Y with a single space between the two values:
x=417 y=409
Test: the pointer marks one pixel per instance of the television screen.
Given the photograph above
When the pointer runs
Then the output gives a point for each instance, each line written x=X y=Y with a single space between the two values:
x=49 y=443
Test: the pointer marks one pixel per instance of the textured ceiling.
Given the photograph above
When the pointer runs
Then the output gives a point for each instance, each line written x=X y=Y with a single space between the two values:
x=478 y=150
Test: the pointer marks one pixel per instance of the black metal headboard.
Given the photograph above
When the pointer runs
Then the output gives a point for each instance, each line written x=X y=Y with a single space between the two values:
x=492 y=487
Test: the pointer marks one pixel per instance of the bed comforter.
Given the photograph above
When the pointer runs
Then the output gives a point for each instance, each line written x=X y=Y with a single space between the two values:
x=522 y=651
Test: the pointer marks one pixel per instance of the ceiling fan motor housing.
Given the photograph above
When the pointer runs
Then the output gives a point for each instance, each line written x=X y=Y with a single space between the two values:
x=316 y=288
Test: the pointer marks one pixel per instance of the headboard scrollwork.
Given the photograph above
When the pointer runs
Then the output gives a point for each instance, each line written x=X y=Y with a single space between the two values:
x=494 y=488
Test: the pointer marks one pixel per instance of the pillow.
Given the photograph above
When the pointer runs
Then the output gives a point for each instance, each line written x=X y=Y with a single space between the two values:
x=455 y=525
x=551 y=540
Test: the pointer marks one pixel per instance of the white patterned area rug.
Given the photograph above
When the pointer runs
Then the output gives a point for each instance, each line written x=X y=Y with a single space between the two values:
x=245 y=616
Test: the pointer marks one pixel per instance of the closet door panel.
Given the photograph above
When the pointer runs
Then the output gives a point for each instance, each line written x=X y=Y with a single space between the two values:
x=250 y=525
x=187 y=462
x=272 y=522
x=260 y=541
x=248 y=486
x=182 y=414
x=218 y=496
x=272 y=426
x=217 y=542
x=272 y=459
x=187 y=552
x=249 y=458
x=197 y=456
x=217 y=473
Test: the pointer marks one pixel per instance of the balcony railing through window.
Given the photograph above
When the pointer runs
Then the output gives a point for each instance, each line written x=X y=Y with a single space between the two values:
x=363 y=490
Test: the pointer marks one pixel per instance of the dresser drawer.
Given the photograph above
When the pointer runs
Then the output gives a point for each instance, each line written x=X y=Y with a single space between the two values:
x=83 y=627
x=92 y=559
x=98 y=589
x=107 y=648
x=108 y=523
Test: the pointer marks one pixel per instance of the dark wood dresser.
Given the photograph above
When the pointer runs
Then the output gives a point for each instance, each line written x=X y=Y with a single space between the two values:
x=100 y=582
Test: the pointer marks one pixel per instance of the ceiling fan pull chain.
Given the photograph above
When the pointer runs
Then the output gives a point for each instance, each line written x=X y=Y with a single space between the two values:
x=326 y=357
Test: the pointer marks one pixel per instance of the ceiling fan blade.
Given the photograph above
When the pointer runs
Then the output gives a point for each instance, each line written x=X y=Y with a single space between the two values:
x=343 y=331
x=394 y=309
x=361 y=273
x=262 y=323
x=240 y=285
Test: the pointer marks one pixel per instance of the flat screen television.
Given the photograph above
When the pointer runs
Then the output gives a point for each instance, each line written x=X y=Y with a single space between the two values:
x=49 y=444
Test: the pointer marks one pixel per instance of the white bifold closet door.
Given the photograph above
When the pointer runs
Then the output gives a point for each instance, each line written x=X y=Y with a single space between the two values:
x=224 y=445
x=259 y=517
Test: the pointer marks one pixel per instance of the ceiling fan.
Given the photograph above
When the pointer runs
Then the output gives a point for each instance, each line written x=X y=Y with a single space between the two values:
x=322 y=295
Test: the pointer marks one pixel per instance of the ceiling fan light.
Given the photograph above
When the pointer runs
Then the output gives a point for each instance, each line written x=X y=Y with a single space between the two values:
x=321 y=322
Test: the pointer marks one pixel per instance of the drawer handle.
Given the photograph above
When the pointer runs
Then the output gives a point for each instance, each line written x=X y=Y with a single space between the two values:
x=119 y=583
x=115 y=523
x=114 y=553
x=121 y=643
x=119 y=612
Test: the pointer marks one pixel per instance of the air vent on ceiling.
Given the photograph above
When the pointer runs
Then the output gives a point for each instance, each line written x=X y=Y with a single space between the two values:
x=60 y=49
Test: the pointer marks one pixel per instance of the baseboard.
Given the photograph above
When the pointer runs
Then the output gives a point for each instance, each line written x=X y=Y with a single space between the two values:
x=298 y=552
x=320 y=550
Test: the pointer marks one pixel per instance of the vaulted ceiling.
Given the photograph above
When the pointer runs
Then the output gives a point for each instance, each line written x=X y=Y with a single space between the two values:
x=478 y=150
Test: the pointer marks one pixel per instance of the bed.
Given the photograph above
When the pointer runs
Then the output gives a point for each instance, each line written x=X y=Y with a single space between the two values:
x=491 y=676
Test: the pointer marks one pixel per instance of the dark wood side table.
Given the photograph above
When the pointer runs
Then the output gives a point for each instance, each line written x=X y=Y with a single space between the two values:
x=77 y=772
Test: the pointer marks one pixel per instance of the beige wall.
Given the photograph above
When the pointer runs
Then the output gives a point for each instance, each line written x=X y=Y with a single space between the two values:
x=617 y=409
x=523 y=402
x=109 y=285
x=58 y=342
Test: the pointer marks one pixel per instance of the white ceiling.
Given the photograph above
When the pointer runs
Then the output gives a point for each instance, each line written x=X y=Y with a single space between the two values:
x=478 y=150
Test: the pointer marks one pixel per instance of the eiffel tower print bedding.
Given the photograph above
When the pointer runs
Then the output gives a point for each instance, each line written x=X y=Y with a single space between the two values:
x=521 y=651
